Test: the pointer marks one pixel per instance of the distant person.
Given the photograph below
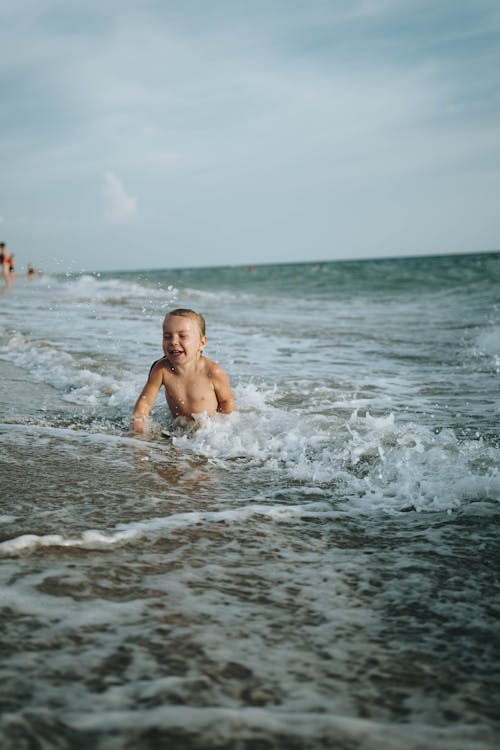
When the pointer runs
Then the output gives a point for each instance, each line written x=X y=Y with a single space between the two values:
x=193 y=384
x=30 y=271
x=7 y=263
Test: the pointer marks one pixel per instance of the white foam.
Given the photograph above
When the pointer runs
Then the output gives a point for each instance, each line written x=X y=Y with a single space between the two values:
x=158 y=526
x=46 y=362
x=488 y=345
x=222 y=725
x=375 y=463
x=488 y=342
x=408 y=466
x=64 y=611
x=219 y=296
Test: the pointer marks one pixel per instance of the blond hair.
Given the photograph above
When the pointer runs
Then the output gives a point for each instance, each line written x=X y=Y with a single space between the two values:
x=186 y=313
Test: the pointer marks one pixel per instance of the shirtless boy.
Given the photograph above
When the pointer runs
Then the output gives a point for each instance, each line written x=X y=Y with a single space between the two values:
x=193 y=384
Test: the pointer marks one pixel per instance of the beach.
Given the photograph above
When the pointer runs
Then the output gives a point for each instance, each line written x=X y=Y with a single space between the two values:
x=317 y=570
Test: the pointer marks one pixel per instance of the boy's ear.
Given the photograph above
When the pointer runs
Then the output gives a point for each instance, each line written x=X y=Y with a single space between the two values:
x=203 y=341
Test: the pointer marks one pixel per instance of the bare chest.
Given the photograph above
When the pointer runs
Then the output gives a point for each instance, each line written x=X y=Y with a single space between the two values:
x=190 y=395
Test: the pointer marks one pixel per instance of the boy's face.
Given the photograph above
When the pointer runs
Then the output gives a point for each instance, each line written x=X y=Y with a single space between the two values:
x=182 y=339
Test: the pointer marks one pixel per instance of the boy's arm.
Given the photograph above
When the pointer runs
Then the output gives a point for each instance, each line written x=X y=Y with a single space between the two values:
x=223 y=392
x=145 y=402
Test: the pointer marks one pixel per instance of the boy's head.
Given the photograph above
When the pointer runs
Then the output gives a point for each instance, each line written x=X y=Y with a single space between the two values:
x=185 y=313
x=183 y=336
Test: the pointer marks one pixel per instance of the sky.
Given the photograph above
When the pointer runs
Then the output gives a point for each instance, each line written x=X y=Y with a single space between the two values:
x=142 y=134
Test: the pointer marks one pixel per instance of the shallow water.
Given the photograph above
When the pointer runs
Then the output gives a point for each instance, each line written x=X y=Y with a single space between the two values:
x=319 y=569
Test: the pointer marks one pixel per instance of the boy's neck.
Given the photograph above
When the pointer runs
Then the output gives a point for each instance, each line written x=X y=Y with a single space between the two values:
x=186 y=368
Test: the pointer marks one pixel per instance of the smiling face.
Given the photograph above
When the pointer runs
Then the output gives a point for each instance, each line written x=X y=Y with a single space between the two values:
x=183 y=341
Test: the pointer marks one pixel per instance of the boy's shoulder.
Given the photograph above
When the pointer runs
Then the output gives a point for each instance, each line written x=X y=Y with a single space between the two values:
x=212 y=369
x=160 y=364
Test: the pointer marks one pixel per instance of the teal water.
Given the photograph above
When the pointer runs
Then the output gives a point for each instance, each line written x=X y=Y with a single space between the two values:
x=319 y=569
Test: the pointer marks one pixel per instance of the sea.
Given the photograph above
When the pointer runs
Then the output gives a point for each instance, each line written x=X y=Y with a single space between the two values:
x=319 y=569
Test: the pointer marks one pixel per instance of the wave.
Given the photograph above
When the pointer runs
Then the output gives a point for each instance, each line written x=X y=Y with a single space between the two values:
x=155 y=527
x=115 y=292
x=365 y=464
x=219 y=295
x=77 y=378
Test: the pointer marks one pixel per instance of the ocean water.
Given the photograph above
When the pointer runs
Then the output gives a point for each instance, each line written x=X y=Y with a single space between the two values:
x=319 y=569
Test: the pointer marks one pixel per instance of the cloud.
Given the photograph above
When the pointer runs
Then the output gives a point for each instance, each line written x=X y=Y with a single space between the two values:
x=119 y=205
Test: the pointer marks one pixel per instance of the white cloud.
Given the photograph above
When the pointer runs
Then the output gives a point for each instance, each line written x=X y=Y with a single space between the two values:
x=119 y=205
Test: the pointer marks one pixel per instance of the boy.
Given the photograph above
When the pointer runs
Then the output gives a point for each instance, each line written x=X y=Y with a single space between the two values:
x=193 y=384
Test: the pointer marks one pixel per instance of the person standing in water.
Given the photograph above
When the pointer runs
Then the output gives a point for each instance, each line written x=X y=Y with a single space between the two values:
x=7 y=264
x=193 y=384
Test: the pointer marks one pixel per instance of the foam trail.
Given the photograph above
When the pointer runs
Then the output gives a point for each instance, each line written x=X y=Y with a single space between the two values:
x=127 y=533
